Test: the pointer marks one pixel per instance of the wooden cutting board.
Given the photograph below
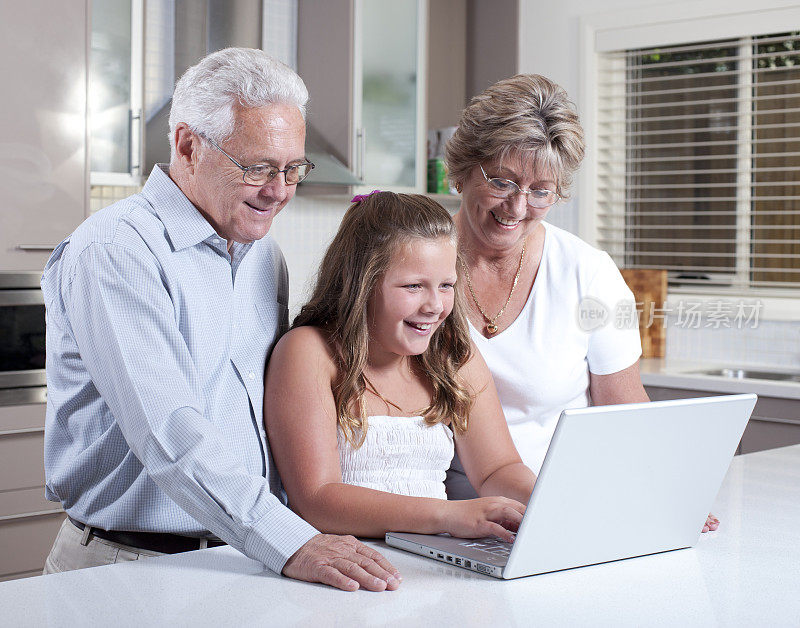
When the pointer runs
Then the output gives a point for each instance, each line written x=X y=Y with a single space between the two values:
x=649 y=286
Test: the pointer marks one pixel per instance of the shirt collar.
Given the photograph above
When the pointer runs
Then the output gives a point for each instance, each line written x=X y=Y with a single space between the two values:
x=184 y=223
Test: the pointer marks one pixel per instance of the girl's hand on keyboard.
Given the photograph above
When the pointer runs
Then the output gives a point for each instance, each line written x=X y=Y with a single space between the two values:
x=485 y=516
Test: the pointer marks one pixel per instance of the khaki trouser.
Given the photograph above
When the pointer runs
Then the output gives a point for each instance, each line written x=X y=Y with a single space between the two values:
x=72 y=551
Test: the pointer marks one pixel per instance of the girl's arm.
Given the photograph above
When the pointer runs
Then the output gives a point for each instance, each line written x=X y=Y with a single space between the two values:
x=487 y=452
x=300 y=418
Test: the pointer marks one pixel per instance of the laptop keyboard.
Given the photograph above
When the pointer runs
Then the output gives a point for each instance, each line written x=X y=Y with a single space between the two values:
x=492 y=545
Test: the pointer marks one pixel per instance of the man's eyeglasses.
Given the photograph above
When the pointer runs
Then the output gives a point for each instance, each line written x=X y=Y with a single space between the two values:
x=505 y=188
x=261 y=174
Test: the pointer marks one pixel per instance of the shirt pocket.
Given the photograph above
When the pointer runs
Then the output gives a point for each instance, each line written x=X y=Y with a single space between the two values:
x=273 y=318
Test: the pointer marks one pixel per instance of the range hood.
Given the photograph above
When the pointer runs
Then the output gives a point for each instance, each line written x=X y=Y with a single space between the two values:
x=201 y=27
x=328 y=168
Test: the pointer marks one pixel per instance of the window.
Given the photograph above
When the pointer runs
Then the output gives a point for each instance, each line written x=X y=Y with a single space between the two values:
x=698 y=161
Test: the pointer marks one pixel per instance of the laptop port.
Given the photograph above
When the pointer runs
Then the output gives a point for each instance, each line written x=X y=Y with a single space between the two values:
x=440 y=556
x=449 y=559
x=458 y=561
x=468 y=564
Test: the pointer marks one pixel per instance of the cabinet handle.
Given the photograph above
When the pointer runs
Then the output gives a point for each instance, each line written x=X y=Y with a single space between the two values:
x=134 y=141
x=772 y=419
x=24 y=430
x=35 y=247
x=38 y=513
x=26 y=394
x=362 y=152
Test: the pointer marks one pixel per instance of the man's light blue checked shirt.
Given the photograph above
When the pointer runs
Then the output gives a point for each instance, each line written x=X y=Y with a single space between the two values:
x=156 y=346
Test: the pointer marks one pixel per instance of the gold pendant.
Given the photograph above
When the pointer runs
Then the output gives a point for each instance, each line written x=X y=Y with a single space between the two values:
x=491 y=328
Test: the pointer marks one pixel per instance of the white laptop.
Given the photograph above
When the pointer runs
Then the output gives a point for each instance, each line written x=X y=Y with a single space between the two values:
x=617 y=482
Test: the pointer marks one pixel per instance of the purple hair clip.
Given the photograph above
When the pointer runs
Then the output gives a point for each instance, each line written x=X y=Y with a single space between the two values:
x=360 y=197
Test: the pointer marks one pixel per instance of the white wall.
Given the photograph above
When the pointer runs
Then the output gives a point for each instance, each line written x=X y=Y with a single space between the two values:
x=549 y=45
x=549 y=35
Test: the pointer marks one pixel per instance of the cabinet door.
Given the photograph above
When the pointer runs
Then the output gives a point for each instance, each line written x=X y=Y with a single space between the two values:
x=389 y=92
x=658 y=393
x=28 y=522
x=21 y=450
x=363 y=62
x=43 y=170
x=764 y=434
x=775 y=421
x=31 y=539
x=115 y=92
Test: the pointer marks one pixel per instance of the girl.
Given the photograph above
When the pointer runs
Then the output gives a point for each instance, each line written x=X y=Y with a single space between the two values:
x=378 y=380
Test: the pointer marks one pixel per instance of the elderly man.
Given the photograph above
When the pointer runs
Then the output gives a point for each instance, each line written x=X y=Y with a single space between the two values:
x=161 y=311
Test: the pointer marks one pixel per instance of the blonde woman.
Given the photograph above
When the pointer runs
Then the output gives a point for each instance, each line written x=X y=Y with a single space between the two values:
x=378 y=382
x=513 y=157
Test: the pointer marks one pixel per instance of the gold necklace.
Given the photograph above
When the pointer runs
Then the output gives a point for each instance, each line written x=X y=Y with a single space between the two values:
x=491 y=327
x=371 y=387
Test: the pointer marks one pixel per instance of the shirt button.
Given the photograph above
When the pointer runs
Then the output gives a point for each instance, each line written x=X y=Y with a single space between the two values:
x=251 y=375
x=216 y=240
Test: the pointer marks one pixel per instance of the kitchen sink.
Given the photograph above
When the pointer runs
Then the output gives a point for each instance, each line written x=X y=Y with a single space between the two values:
x=742 y=373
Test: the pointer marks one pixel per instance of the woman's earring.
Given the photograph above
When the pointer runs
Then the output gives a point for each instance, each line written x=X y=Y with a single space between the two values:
x=458 y=188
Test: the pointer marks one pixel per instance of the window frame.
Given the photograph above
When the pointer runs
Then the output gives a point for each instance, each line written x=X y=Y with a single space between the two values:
x=654 y=26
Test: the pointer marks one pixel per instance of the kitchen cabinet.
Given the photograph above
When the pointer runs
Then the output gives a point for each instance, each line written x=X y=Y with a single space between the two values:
x=116 y=92
x=43 y=155
x=775 y=422
x=364 y=65
x=28 y=522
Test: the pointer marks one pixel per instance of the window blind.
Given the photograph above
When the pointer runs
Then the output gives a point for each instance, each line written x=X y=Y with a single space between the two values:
x=699 y=161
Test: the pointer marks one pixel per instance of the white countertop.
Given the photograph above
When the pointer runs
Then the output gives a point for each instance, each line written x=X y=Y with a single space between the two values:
x=745 y=573
x=680 y=374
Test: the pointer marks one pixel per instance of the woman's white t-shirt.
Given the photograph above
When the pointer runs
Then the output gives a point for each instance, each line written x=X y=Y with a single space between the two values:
x=577 y=320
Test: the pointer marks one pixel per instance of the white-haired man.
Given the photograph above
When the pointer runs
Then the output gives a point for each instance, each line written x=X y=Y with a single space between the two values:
x=161 y=311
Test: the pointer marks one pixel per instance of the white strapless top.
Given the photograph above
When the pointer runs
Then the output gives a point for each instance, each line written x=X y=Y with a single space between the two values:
x=402 y=455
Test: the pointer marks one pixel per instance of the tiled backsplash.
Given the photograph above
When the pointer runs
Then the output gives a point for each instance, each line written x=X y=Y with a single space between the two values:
x=104 y=195
x=305 y=227
x=774 y=344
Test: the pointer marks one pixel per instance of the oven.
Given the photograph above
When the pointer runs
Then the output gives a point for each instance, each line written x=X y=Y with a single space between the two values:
x=22 y=339
x=28 y=521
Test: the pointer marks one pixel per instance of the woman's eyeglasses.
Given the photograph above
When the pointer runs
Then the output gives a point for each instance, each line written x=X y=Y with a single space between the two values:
x=505 y=188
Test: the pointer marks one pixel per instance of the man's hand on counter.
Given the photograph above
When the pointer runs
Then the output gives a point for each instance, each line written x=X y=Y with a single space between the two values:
x=342 y=562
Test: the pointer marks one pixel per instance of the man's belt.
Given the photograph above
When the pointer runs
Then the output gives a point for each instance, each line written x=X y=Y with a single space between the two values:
x=152 y=541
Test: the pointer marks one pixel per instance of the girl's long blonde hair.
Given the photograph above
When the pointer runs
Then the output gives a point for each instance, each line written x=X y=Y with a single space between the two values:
x=371 y=231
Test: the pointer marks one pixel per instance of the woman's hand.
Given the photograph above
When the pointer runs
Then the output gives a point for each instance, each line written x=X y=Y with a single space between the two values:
x=712 y=523
x=485 y=516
